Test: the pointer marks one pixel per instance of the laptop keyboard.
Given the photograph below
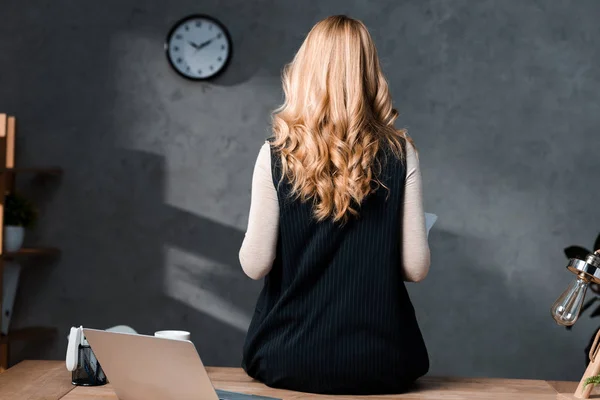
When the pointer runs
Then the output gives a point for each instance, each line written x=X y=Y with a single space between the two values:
x=225 y=395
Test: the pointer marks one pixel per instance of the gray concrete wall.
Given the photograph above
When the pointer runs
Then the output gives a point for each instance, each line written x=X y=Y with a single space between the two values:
x=500 y=96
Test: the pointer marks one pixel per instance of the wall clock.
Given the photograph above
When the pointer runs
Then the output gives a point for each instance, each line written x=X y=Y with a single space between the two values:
x=198 y=47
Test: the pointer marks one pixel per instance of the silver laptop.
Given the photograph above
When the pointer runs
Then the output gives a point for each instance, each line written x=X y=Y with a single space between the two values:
x=143 y=367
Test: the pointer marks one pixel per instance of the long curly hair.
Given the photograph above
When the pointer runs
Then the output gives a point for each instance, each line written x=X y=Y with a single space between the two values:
x=336 y=117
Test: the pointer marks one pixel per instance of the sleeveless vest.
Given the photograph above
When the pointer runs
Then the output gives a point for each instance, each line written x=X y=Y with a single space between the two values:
x=334 y=315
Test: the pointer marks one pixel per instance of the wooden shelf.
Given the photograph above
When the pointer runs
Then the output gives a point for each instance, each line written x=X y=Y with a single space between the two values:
x=34 y=170
x=31 y=333
x=8 y=181
x=33 y=252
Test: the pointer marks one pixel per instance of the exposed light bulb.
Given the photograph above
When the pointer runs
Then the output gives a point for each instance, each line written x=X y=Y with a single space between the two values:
x=565 y=309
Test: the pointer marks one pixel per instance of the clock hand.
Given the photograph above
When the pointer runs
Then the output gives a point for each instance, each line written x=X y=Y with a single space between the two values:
x=194 y=45
x=204 y=44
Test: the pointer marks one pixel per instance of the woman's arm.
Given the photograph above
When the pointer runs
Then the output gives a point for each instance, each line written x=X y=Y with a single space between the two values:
x=415 y=248
x=260 y=243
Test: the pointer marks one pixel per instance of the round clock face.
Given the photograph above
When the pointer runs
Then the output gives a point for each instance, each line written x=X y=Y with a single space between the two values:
x=198 y=47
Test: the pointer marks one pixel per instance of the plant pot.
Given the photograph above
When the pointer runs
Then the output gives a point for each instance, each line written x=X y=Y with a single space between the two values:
x=13 y=238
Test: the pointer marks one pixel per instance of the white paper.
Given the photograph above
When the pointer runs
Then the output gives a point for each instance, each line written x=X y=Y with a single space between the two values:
x=429 y=221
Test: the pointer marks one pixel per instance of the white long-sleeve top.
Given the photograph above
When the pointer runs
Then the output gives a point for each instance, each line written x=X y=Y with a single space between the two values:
x=259 y=247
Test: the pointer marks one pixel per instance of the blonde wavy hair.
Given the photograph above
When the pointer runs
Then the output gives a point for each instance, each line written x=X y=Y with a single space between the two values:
x=336 y=117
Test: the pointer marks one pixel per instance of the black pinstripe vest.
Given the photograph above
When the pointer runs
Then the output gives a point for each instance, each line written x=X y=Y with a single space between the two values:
x=334 y=315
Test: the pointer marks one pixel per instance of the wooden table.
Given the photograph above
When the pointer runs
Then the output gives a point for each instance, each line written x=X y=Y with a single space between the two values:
x=49 y=380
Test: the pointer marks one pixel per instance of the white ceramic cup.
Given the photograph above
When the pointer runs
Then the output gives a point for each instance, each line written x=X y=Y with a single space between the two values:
x=175 y=335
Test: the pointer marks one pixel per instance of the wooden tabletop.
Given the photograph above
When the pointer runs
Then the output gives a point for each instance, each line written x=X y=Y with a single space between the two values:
x=49 y=380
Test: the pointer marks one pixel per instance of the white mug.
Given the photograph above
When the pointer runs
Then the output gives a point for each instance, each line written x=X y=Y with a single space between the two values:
x=174 y=335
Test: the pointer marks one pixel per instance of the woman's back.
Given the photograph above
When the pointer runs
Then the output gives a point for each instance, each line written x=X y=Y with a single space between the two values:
x=336 y=225
x=334 y=315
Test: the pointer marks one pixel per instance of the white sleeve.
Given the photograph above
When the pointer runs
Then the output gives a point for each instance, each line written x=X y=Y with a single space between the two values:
x=260 y=243
x=415 y=248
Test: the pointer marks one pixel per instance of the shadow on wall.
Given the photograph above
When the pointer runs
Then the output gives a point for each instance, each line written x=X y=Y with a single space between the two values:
x=144 y=263
x=128 y=256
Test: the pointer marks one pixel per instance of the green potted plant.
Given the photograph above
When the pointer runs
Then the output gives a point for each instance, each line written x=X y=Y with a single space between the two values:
x=19 y=214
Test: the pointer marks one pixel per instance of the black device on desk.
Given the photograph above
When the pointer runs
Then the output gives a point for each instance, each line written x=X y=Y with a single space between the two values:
x=143 y=367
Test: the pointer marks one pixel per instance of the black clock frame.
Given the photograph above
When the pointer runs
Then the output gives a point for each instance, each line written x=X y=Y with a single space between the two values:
x=214 y=21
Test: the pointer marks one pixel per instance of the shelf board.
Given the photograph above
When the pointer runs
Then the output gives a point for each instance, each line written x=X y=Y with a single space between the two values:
x=25 y=334
x=33 y=251
x=34 y=170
